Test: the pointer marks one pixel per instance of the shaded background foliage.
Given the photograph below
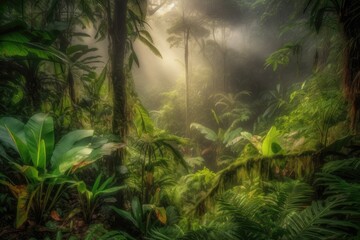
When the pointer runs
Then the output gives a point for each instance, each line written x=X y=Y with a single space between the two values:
x=245 y=131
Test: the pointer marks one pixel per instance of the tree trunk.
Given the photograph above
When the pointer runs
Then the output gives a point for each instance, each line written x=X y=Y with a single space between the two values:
x=118 y=34
x=32 y=85
x=186 y=56
x=351 y=31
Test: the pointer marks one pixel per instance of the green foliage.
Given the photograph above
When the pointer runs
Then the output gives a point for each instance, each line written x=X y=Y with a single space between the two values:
x=340 y=180
x=283 y=211
x=93 y=105
x=282 y=56
x=140 y=215
x=191 y=188
x=223 y=139
x=98 y=231
x=44 y=165
x=43 y=68
x=137 y=31
x=17 y=41
x=317 y=99
x=270 y=145
x=155 y=151
x=232 y=107
x=92 y=198
x=207 y=132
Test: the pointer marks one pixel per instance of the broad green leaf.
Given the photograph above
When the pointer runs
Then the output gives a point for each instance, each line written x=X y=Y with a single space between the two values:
x=207 y=132
x=66 y=143
x=104 y=150
x=40 y=127
x=270 y=145
x=21 y=147
x=275 y=147
x=72 y=157
x=16 y=127
x=230 y=135
x=42 y=155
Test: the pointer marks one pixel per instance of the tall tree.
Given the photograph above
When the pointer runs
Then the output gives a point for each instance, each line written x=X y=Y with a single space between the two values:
x=186 y=26
x=347 y=14
x=118 y=35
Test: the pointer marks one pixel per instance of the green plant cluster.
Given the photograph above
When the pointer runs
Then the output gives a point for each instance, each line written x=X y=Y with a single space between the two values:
x=231 y=164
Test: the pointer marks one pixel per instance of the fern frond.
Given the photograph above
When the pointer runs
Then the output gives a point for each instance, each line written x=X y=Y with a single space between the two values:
x=288 y=198
x=321 y=220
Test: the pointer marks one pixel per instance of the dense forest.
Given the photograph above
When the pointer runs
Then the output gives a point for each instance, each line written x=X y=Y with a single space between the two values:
x=179 y=119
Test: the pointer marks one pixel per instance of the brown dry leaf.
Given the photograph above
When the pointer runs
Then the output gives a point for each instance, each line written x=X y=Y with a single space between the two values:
x=80 y=165
x=161 y=214
x=54 y=215
x=18 y=190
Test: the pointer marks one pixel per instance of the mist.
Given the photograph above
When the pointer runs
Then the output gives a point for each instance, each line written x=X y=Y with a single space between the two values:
x=245 y=39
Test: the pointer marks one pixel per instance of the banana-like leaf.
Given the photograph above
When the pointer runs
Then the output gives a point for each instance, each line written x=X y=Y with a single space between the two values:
x=16 y=127
x=40 y=130
x=229 y=136
x=68 y=142
x=41 y=155
x=105 y=150
x=21 y=147
x=207 y=132
x=70 y=158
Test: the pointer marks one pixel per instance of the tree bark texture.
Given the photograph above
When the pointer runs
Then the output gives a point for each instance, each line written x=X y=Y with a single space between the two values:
x=118 y=34
x=351 y=29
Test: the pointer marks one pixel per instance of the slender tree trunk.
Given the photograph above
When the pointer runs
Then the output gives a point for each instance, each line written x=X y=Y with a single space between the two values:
x=224 y=53
x=224 y=56
x=118 y=34
x=186 y=56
